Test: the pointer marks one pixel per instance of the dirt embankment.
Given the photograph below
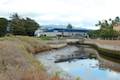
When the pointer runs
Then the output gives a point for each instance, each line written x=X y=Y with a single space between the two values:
x=107 y=44
x=109 y=48
x=17 y=61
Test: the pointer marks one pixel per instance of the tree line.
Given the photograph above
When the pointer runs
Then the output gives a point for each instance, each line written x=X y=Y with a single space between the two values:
x=106 y=30
x=18 y=26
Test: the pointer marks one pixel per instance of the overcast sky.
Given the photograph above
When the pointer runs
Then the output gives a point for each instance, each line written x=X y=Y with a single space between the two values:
x=80 y=13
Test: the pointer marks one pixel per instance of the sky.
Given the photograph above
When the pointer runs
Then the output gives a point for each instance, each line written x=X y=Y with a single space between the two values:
x=80 y=13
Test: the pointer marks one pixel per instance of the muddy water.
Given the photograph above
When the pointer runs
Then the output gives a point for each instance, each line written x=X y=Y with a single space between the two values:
x=79 y=61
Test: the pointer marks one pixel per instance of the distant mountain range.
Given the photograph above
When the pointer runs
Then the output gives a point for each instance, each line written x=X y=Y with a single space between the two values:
x=58 y=26
x=54 y=26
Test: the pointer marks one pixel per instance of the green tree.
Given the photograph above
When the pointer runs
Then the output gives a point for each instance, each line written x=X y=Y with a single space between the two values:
x=103 y=24
x=69 y=26
x=3 y=26
x=117 y=19
x=17 y=25
x=23 y=26
x=109 y=34
x=30 y=26
x=94 y=33
x=106 y=29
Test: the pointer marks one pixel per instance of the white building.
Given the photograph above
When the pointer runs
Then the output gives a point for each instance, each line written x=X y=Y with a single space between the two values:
x=61 y=32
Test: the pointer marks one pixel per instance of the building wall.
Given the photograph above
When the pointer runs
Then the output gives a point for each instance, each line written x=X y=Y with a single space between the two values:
x=53 y=34
x=56 y=32
x=116 y=27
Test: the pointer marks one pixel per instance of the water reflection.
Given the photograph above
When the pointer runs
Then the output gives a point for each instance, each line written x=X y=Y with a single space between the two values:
x=91 y=67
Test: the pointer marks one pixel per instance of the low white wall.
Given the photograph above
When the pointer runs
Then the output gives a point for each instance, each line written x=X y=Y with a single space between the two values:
x=72 y=40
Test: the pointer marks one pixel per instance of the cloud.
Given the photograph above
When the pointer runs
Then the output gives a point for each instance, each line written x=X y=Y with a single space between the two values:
x=76 y=12
x=113 y=75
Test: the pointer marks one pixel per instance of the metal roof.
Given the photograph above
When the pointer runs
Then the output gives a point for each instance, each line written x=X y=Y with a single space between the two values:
x=65 y=30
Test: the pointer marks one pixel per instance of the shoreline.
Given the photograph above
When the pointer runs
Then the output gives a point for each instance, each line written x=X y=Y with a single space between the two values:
x=108 y=48
x=111 y=50
x=107 y=44
x=48 y=63
x=57 y=44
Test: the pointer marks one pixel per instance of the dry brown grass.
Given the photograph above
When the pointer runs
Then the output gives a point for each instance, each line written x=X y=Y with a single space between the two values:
x=17 y=61
x=55 y=78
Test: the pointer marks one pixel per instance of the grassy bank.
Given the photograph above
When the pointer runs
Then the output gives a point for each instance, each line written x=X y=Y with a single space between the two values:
x=45 y=38
x=17 y=61
x=106 y=52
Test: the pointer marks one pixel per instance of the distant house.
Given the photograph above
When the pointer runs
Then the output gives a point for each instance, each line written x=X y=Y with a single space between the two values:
x=61 y=32
x=116 y=27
